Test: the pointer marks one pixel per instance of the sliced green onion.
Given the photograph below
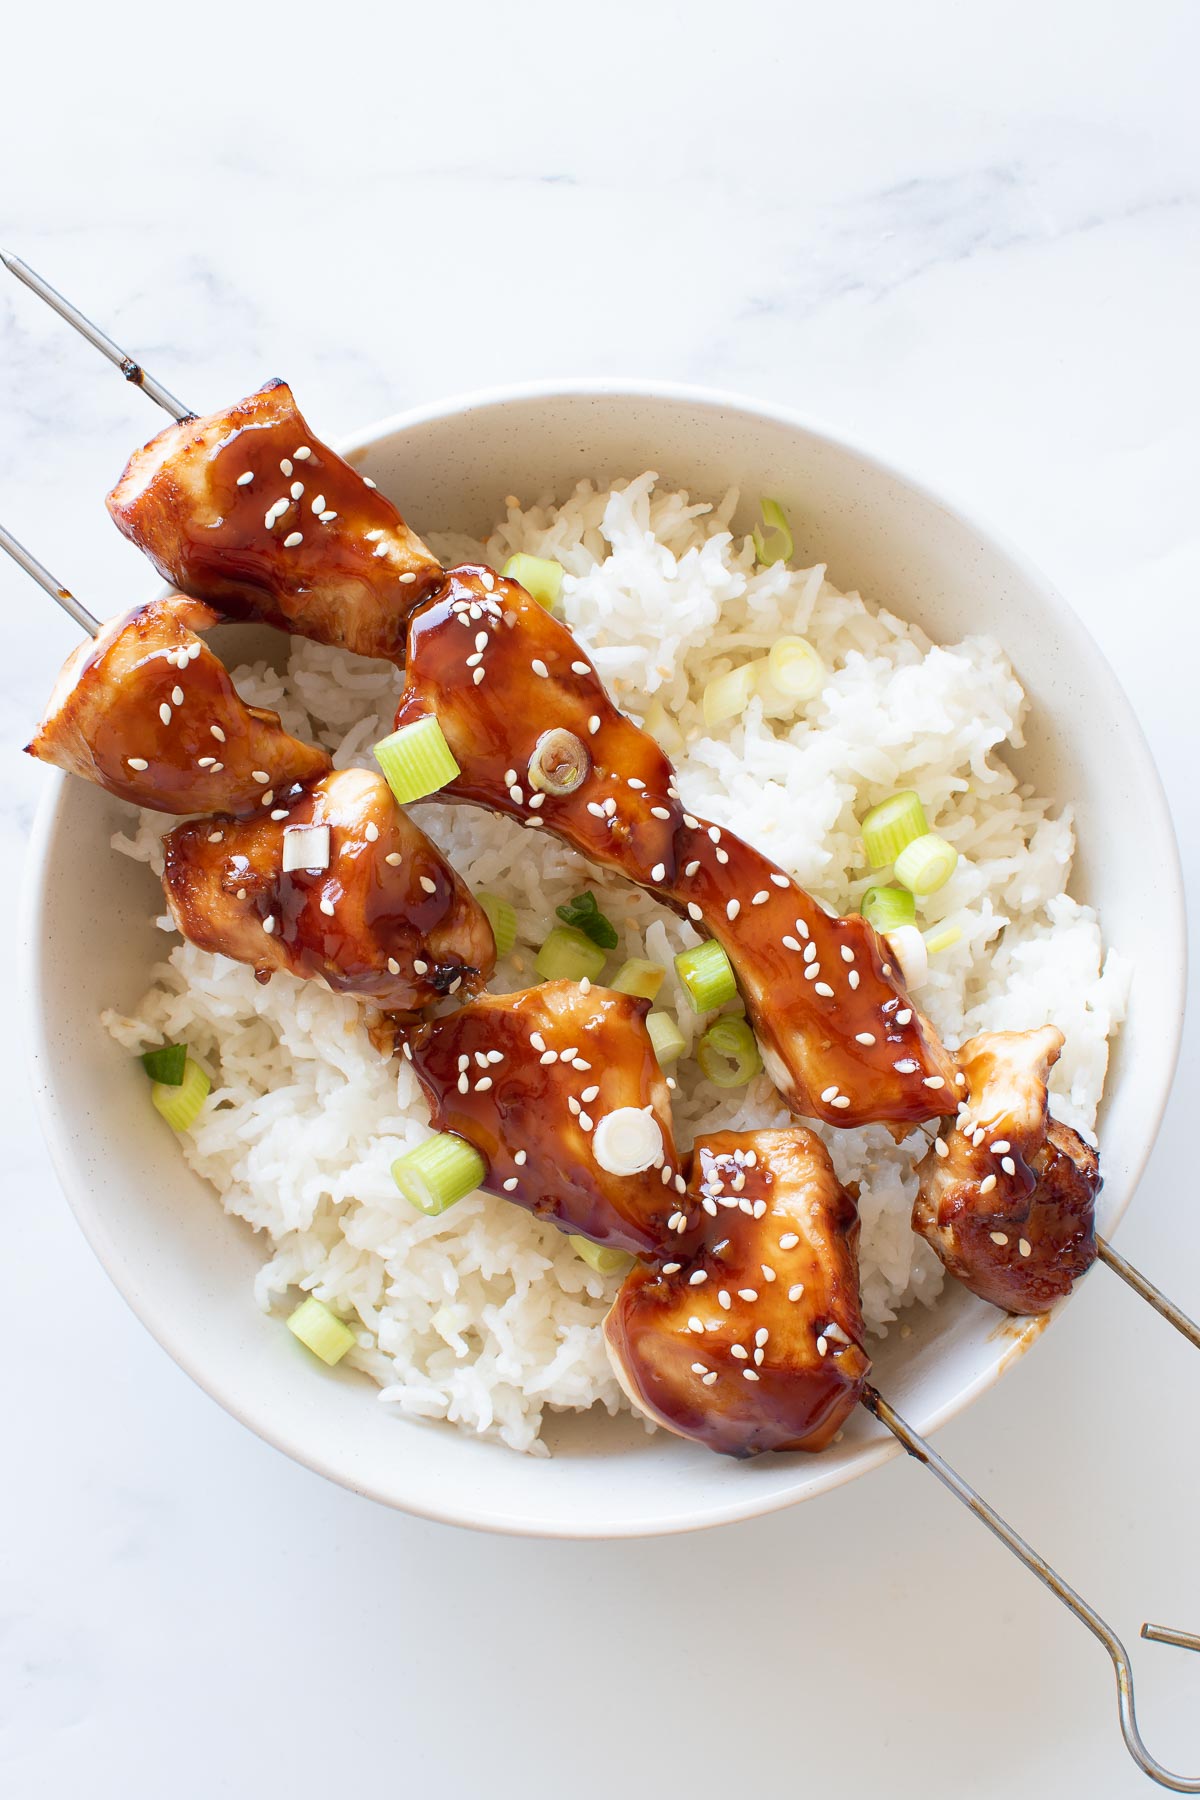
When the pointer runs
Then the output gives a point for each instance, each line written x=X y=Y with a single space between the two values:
x=502 y=917
x=926 y=864
x=795 y=669
x=166 y=1064
x=911 y=952
x=662 y=728
x=775 y=544
x=180 y=1103
x=665 y=1035
x=941 y=938
x=890 y=825
x=600 y=1257
x=538 y=575
x=887 y=907
x=568 y=955
x=584 y=913
x=416 y=760
x=707 y=974
x=639 y=977
x=439 y=1172
x=728 y=1054
x=320 y=1330
x=727 y=696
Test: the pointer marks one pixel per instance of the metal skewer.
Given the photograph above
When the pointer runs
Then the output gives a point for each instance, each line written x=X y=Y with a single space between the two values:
x=45 y=579
x=131 y=370
x=923 y=1451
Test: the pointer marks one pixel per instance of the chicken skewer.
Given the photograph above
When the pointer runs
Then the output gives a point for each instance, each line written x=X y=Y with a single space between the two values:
x=914 y=1444
x=296 y=866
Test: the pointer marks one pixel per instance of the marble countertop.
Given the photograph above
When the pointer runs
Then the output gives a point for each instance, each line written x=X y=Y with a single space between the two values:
x=969 y=237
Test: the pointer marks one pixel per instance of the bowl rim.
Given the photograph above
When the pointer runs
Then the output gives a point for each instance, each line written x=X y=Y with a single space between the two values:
x=875 y=1450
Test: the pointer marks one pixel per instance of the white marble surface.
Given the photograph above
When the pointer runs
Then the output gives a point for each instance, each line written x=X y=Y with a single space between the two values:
x=966 y=234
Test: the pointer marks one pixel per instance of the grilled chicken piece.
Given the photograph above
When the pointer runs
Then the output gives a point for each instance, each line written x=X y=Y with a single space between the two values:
x=375 y=912
x=250 y=511
x=560 y=1091
x=752 y=1340
x=1007 y=1198
x=147 y=711
x=536 y=737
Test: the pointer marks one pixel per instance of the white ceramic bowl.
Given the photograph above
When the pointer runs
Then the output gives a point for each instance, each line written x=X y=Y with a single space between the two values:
x=186 y=1268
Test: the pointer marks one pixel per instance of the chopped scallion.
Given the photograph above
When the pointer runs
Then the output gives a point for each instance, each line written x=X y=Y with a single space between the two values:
x=180 y=1102
x=926 y=864
x=726 y=697
x=887 y=907
x=502 y=917
x=416 y=760
x=600 y=1257
x=707 y=974
x=941 y=937
x=584 y=913
x=909 y=948
x=775 y=544
x=538 y=575
x=320 y=1330
x=895 y=822
x=166 y=1064
x=567 y=955
x=639 y=977
x=439 y=1172
x=662 y=728
x=794 y=669
x=665 y=1035
x=728 y=1054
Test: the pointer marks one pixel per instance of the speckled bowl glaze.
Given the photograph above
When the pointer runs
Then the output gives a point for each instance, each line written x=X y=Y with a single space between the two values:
x=186 y=1268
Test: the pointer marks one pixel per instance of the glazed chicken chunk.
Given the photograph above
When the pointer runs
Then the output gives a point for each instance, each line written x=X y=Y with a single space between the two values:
x=751 y=1338
x=536 y=736
x=148 y=712
x=559 y=1090
x=1007 y=1197
x=333 y=881
x=248 y=510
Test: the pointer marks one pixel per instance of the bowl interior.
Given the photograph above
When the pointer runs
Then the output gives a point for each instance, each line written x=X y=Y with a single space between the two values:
x=187 y=1269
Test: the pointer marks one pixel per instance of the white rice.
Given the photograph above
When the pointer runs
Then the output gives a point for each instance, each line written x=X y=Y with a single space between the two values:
x=484 y=1316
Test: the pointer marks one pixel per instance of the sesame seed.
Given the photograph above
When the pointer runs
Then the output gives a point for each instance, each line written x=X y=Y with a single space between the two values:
x=853 y=978
x=590 y=1093
x=941 y=1147
x=292 y=539
x=373 y=537
x=935 y=1081
x=1025 y=1247
x=829 y=1094
x=302 y=454
x=822 y=1347
x=847 y=953
x=714 y=832
x=217 y=733
x=521 y=1158
x=689 y=869
x=429 y=885
x=699 y=1368
x=960 y=1081
x=694 y=1324
x=796 y=1290
x=658 y=872
x=268 y=924
x=419 y=967
x=823 y=988
x=747 y=1293
x=381 y=549
x=318 y=504
x=791 y=943
x=548 y=1056
x=512 y=1182
x=998 y=1237
x=285 y=467
x=539 y=668
x=906 y=1066
x=660 y=812
x=268 y=798
x=464 y=1086
x=864 y=1037
x=164 y=713
x=1000 y=1147
x=724 y=1300
x=246 y=479
x=781 y=881
x=594 y=724
x=904 y=1017
x=327 y=908
x=694 y=912
x=516 y=794
x=695 y=1279
x=709 y=1378
x=987 y=1184
x=581 y=668
x=722 y=856
x=537 y=1040
x=137 y=762
x=327 y=517
x=759 y=899
x=585 y=1124
x=215 y=837
x=371 y=831
x=477 y=677
x=740 y=1351
x=977 y=1137
x=483 y=1084
x=749 y=1375
x=281 y=812
x=394 y=858
x=810 y=953
x=1008 y=1165
x=205 y=762
x=585 y=987
x=733 y=908
x=297 y=489
x=177 y=695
